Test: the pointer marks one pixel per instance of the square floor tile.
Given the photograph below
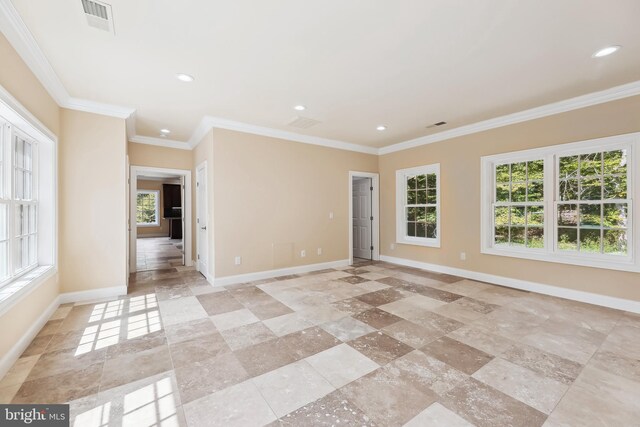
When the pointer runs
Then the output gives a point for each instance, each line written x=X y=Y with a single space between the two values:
x=347 y=328
x=523 y=384
x=233 y=319
x=332 y=410
x=437 y=415
x=383 y=296
x=461 y=356
x=181 y=310
x=411 y=307
x=380 y=348
x=219 y=302
x=412 y=334
x=307 y=342
x=244 y=336
x=341 y=364
x=288 y=323
x=292 y=386
x=377 y=318
x=239 y=405
x=264 y=357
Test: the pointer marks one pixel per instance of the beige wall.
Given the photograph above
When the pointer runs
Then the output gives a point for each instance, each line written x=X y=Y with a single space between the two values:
x=459 y=160
x=92 y=201
x=163 y=228
x=17 y=79
x=273 y=199
x=159 y=157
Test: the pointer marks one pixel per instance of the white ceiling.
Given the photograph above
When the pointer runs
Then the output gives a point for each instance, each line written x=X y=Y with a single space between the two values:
x=355 y=64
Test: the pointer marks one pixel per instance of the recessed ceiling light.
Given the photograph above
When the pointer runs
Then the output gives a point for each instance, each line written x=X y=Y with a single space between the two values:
x=606 y=51
x=381 y=128
x=184 y=77
x=165 y=131
x=299 y=108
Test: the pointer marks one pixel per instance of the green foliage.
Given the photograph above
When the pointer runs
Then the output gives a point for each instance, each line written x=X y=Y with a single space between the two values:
x=594 y=176
x=146 y=208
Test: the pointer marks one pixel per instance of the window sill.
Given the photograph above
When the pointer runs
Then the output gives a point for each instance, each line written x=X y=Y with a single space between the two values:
x=431 y=243
x=13 y=291
x=623 y=264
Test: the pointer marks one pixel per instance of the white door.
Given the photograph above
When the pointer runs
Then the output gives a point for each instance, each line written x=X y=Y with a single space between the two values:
x=201 y=220
x=362 y=218
x=182 y=221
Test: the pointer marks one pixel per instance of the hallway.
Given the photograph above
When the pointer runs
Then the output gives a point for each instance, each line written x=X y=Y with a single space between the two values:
x=158 y=253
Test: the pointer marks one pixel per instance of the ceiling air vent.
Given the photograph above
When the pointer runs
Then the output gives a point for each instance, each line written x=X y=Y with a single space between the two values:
x=436 y=125
x=303 y=122
x=99 y=15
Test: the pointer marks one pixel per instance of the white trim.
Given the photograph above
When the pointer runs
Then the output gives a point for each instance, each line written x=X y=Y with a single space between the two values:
x=269 y=274
x=160 y=142
x=594 y=98
x=375 y=212
x=208 y=122
x=540 y=288
x=94 y=294
x=550 y=154
x=210 y=269
x=19 y=347
x=98 y=108
x=401 y=197
x=135 y=171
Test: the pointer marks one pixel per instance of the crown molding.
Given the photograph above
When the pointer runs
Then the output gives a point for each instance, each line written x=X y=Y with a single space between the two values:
x=160 y=142
x=209 y=123
x=99 y=108
x=590 y=99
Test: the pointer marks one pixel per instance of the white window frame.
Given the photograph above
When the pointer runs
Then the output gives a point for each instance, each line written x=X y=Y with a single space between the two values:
x=150 y=224
x=401 y=198
x=16 y=120
x=551 y=156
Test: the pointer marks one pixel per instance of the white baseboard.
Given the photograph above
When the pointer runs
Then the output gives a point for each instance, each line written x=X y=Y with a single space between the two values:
x=260 y=275
x=541 y=288
x=95 y=294
x=18 y=348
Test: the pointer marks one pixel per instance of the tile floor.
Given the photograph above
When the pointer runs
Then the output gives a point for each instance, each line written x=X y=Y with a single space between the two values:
x=157 y=253
x=373 y=344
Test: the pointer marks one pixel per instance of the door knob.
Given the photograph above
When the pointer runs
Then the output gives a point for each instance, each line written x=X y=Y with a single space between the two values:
x=204 y=228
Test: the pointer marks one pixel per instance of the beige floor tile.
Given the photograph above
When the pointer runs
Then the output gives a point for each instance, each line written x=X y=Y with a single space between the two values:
x=412 y=334
x=487 y=342
x=347 y=328
x=187 y=352
x=288 y=323
x=372 y=286
x=188 y=330
x=411 y=307
x=7 y=393
x=247 y=335
x=240 y=405
x=377 y=318
x=598 y=398
x=332 y=410
x=380 y=348
x=466 y=309
x=341 y=364
x=527 y=386
x=292 y=386
x=181 y=310
x=307 y=342
x=264 y=357
x=546 y=364
x=19 y=371
x=461 y=356
x=437 y=415
x=234 y=319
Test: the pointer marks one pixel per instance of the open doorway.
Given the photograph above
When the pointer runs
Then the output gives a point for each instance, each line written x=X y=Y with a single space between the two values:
x=363 y=217
x=160 y=218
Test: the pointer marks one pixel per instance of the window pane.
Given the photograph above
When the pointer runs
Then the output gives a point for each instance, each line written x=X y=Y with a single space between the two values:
x=4 y=222
x=517 y=215
x=615 y=242
x=501 y=235
x=591 y=188
x=4 y=258
x=589 y=240
x=615 y=162
x=411 y=214
x=517 y=236
x=590 y=215
x=411 y=197
x=591 y=164
x=422 y=197
x=518 y=192
x=411 y=229
x=535 y=191
x=568 y=167
x=411 y=183
x=519 y=172
x=615 y=215
x=421 y=229
x=432 y=215
x=615 y=187
x=535 y=215
x=432 y=197
x=502 y=173
x=421 y=182
x=568 y=215
x=535 y=170
x=535 y=237
x=431 y=180
x=502 y=192
x=146 y=208
x=501 y=216
x=421 y=214
x=568 y=239
x=432 y=232
x=569 y=189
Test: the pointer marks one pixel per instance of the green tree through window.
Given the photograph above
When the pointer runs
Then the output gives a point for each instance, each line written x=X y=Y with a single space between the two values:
x=147 y=208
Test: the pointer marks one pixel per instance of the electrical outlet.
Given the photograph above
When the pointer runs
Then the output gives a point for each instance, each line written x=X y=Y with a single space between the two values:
x=463 y=256
x=238 y=260
x=303 y=253
x=330 y=215
x=319 y=251
x=392 y=246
